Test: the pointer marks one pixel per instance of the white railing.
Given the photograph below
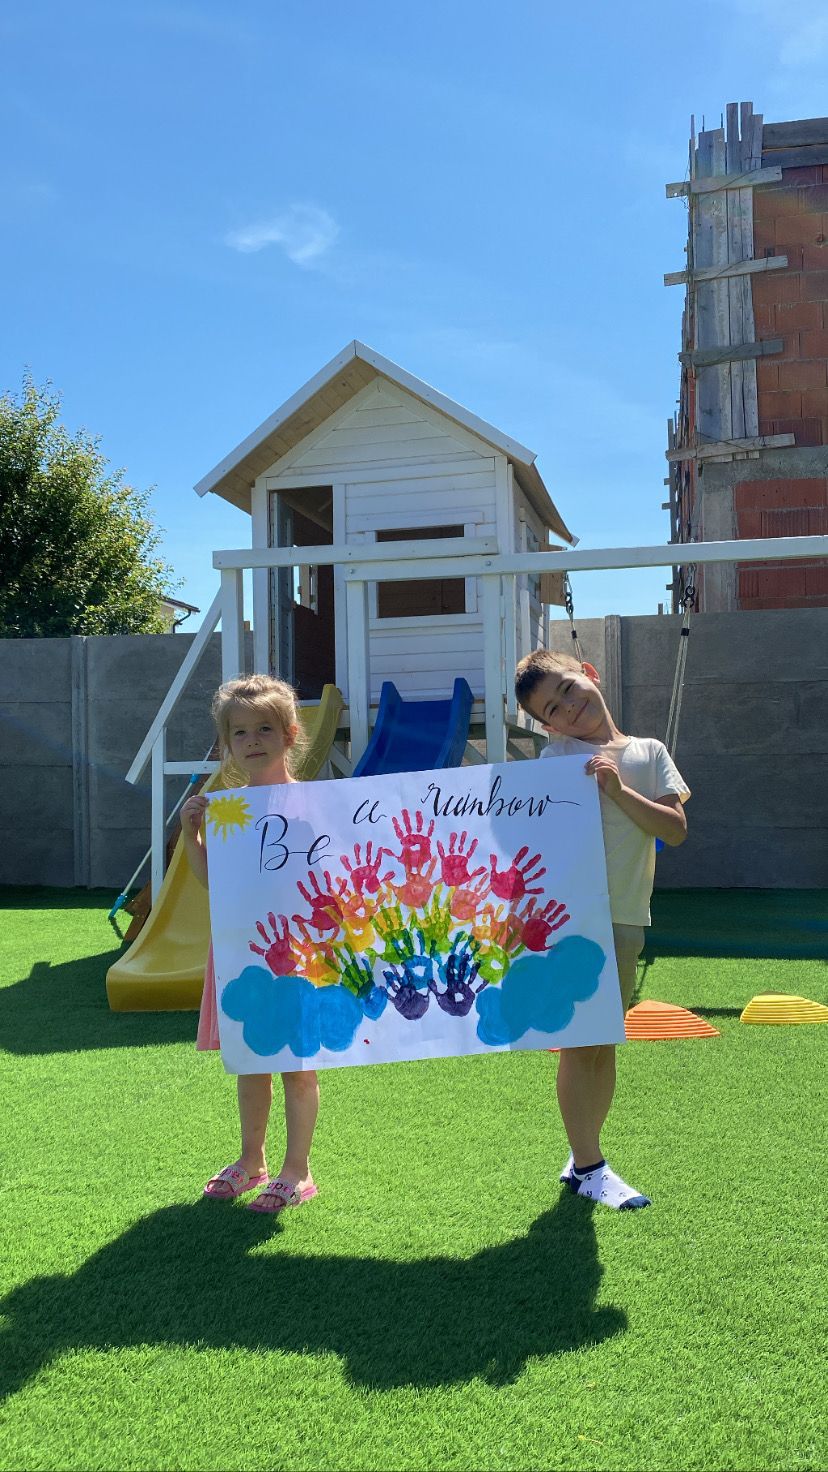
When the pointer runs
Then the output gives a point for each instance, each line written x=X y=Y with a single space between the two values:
x=413 y=560
x=367 y=563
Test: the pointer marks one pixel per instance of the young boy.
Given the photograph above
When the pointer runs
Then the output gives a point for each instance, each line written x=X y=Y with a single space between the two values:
x=642 y=795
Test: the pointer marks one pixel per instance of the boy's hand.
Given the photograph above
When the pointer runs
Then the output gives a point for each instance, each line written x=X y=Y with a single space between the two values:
x=192 y=815
x=606 y=774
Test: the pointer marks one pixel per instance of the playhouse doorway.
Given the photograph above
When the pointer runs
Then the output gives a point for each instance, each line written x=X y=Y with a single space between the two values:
x=302 y=599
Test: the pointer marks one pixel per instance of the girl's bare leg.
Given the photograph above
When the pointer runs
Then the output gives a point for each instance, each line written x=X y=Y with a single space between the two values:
x=255 y=1091
x=301 y=1109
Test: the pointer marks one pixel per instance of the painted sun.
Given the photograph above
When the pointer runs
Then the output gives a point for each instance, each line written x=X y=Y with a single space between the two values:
x=226 y=814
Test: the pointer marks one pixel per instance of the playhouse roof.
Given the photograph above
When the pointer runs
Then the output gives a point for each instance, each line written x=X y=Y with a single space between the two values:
x=336 y=383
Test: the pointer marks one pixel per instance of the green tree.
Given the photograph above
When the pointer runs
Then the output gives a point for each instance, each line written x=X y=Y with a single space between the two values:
x=77 y=545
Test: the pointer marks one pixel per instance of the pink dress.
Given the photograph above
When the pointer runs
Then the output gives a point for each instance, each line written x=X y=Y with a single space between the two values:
x=207 y=1037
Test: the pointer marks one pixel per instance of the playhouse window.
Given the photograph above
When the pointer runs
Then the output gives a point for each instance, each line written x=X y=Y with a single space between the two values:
x=421 y=597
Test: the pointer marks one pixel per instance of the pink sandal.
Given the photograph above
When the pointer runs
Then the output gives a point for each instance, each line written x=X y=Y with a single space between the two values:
x=279 y=1194
x=236 y=1178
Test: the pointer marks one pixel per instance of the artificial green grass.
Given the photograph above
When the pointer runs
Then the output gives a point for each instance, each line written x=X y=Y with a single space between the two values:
x=442 y=1304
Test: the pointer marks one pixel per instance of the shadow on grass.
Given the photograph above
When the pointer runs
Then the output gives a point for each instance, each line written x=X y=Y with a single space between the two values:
x=64 y=1009
x=777 y=924
x=189 y=1275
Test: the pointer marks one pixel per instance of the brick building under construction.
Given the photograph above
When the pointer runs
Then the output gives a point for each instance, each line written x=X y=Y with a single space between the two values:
x=748 y=448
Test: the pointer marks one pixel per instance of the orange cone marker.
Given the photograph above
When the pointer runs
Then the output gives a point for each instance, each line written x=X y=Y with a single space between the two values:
x=651 y=1022
x=779 y=1007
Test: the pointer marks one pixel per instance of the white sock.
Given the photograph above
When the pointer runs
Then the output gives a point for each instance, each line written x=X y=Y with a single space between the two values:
x=603 y=1185
x=567 y=1170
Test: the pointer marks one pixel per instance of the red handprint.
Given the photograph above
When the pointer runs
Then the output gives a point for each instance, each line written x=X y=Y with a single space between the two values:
x=326 y=910
x=538 y=925
x=464 y=901
x=511 y=883
x=365 y=877
x=416 y=891
x=279 y=955
x=455 y=863
x=415 y=843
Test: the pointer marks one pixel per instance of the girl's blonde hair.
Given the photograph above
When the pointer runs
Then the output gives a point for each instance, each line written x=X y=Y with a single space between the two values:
x=264 y=695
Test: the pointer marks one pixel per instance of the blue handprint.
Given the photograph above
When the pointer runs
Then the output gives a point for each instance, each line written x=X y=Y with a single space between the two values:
x=408 y=1000
x=457 y=973
x=417 y=964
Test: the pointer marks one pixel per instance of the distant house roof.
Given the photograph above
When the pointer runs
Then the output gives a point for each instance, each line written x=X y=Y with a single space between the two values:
x=336 y=383
x=176 y=603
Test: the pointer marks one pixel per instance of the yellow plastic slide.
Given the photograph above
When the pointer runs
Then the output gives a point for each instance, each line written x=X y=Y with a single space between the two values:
x=163 y=970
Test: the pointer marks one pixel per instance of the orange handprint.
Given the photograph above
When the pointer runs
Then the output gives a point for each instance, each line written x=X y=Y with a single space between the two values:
x=316 y=960
x=464 y=902
x=416 y=891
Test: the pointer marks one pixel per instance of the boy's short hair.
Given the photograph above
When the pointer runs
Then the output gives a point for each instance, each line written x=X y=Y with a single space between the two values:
x=534 y=667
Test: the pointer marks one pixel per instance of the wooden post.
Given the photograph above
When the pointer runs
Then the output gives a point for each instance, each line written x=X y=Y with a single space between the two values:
x=232 y=624
x=510 y=615
x=493 y=669
x=613 y=684
x=80 y=762
x=359 y=673
x=263 y=660
x=158 y=827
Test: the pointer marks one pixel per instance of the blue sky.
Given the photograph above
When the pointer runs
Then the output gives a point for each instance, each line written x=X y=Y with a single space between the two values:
x=204 y=202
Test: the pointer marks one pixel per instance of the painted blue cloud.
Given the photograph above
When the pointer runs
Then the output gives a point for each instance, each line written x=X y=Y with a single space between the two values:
x=288 y=1012
x=540 y=992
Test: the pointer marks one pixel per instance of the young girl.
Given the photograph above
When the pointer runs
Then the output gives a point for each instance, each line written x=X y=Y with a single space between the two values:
x=258 y=729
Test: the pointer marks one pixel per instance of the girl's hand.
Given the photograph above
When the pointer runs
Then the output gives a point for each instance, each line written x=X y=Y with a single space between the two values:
x=606 y=774
x=192 y=816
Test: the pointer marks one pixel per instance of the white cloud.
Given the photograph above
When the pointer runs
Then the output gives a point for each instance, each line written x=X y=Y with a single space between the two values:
x=305 y=233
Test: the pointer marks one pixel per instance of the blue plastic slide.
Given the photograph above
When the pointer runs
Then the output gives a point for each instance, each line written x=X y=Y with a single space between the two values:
x=417 y=735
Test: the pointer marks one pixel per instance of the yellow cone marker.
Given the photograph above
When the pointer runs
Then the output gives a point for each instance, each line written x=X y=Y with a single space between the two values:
x=779 y=1007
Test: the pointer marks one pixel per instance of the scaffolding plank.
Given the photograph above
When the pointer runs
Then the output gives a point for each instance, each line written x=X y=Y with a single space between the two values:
x=733 y=268
x=712 y=184
x=797 y=158
x=796 y=134
x=737 y=352
x=728 y=447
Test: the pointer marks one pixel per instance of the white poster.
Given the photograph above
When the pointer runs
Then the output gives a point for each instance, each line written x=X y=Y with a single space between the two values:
x=419 y=915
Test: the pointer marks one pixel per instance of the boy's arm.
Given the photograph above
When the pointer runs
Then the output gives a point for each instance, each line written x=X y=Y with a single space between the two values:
x=662 y=817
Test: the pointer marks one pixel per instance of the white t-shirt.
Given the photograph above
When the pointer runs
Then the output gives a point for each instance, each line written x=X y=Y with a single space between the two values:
x=646 y=766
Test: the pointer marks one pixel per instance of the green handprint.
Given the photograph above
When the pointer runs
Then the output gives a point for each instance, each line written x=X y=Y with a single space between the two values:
x=492 y=962
x=388 y=923
x=357 y=973
x=437 y=922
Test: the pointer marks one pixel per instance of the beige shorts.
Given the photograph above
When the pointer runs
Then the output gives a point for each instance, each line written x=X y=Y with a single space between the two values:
x=629 y=943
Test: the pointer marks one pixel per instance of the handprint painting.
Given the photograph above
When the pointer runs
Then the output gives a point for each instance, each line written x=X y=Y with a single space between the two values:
x=411 y=916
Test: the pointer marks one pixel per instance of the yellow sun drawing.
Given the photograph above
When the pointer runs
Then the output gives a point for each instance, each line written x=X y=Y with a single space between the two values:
x=228 y=813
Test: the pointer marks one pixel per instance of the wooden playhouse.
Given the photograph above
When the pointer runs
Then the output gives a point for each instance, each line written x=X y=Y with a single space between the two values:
x=365 y=454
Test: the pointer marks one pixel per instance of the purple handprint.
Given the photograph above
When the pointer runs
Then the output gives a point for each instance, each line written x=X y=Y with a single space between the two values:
x=409 y=1002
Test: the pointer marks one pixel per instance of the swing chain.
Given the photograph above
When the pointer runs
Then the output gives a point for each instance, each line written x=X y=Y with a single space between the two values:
x=688 y=598
x=686 y=602
x=570 y=612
